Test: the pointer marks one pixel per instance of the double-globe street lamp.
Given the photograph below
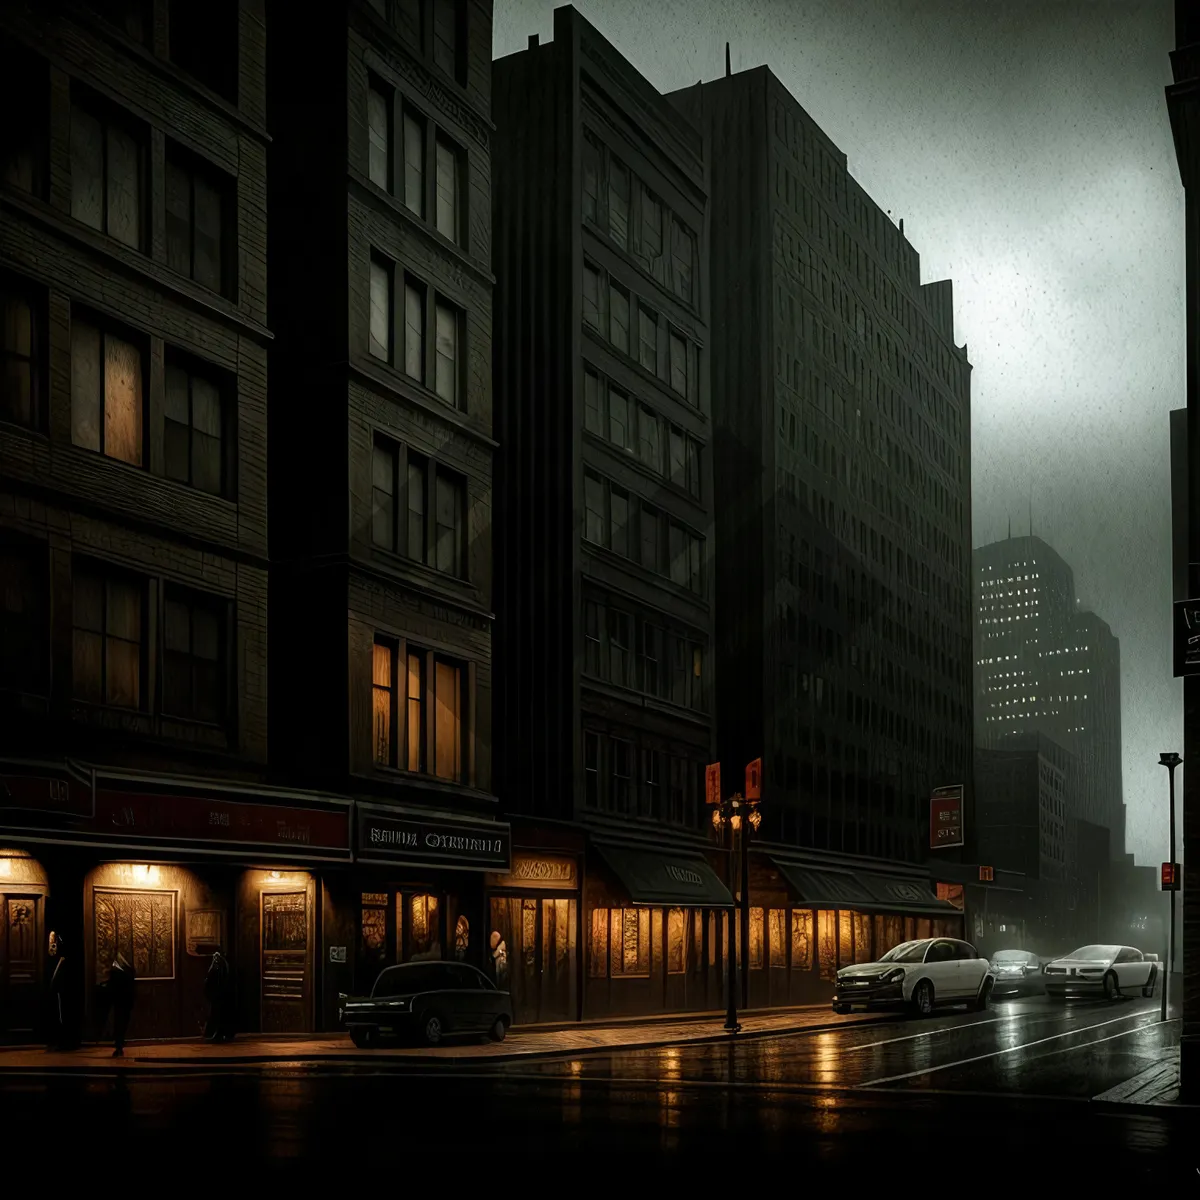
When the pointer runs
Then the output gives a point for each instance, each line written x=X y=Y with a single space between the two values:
x=738 y=816
x=1170 y=760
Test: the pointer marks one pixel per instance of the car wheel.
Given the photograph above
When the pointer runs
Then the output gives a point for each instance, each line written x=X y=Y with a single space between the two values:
x=364 y=1038
x=499 y=1030
x=432 y=1029
x=1111 y=990
x=985 y=995
x=923 y=998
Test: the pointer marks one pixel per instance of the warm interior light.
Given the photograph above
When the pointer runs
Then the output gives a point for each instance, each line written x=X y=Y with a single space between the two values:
x=716 y=818
x=274 y=875
x=755 y=818
x=736 y=821
x=5 y=868
x=144 y=874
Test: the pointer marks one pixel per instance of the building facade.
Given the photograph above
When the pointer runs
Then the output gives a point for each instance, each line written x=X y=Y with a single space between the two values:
x=380 y=462
x=604 y=502
x=135 y=801
x=841 y=405
x=1045 y=666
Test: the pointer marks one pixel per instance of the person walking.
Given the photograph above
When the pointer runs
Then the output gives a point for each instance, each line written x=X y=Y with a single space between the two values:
x=219 y=1027
x=63 y=1031
x=121 y=978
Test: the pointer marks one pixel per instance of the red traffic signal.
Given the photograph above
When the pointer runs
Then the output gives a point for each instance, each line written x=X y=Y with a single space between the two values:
x=754 y=780
x=1170 y=877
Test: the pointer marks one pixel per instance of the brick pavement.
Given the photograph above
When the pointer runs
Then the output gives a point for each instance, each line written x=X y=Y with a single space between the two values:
x=337 y=1048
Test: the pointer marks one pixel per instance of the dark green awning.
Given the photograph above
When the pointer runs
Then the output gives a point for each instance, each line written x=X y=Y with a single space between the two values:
x=665 y=880
x=866 y=891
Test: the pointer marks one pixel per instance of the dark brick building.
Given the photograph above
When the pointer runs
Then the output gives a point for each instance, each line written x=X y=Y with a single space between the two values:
x=604 y=569
x=381 y=459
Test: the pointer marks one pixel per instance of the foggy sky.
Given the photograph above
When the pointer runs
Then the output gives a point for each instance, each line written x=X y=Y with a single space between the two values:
x=1027 y=147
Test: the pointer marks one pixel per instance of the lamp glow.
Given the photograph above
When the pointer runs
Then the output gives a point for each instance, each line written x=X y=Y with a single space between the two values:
x=274 y=875
x=144 y=874
x=755 y=819
x=736 y=820
x=716 y=820
x=6 y=867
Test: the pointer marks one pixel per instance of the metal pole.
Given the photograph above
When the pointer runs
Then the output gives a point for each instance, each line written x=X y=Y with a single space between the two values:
x=745 y=874
x=731 y=1021
x=1174 y=881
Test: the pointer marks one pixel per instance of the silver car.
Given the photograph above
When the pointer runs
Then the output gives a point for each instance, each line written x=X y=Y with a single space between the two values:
x=1108 y=971
x=1018 y=973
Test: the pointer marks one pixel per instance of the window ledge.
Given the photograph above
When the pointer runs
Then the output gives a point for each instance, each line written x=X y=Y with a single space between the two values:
x=134 y=263
x=630 y=458
x=427 y=582
x=376 y=373
x=661 y=386
x=636 y=699
x=630 y=259
x=611 y=557
x=431 y=786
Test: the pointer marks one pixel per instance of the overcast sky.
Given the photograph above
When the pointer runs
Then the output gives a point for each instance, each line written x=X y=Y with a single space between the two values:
x=1027 y=147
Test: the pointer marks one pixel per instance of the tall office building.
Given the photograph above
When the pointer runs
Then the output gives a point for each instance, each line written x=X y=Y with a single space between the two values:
x=842 y=406
x=1045 y=666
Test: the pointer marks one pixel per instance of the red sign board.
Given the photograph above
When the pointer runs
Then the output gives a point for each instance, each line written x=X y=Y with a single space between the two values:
x=754 y=780
x=986 y=874
x=712 y=783
x=946 y=817
x=1170 y=877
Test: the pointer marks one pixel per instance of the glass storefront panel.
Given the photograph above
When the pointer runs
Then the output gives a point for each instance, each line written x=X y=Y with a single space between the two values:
x=827 y=945
x=777 y=937
x=532 y=948
x=862 y=938
x=845 y=938
x=802 y=939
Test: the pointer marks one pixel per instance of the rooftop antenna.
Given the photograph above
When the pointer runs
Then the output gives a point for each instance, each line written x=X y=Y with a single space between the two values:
x=728 y=72
x=1010 y=527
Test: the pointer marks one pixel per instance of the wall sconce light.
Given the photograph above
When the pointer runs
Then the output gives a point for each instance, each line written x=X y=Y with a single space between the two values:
x=5 y=868
x=736 y=821
x=755 y=819
x=716 y=818
x=274 y=875
x=144 y=874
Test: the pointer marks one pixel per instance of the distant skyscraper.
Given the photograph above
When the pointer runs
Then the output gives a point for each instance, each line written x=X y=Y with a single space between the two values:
x=1043 y=666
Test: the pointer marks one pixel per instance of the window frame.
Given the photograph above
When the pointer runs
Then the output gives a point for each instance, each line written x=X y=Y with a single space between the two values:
x=109 y=115
x=220 y=607
x=105 y=327
x=36 y=300
x=33 y=630
x=195 y=166
x=107 y=573
x=225 y=385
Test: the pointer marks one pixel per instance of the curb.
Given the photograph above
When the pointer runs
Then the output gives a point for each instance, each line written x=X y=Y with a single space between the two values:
x=148 y=1066
x=1145 y=1109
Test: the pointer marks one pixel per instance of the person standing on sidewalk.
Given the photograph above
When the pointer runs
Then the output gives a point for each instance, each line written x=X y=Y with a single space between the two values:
x=121 y=978
x=218 y=991
x=63 y=1032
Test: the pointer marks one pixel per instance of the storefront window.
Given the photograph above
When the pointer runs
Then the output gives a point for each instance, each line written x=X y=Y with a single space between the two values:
x=845 y=939
x=802 y=939
x=827 y=943
x=910 y=929
x=424 y=935
x=756 y=939
x=374 y=927
x=862 y=938
x=676 y=940
x=598 y=944
x=462 y=937
x=529 y=933
x=924 y=929
x=713 y=926
x=629 y=942
x=893 y=934
x=953 y=893
x=776 y=937
x=698 y=942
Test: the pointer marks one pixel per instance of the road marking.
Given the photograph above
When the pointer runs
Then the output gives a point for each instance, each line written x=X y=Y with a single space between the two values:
x=1024 y=1046
x=912 y=1037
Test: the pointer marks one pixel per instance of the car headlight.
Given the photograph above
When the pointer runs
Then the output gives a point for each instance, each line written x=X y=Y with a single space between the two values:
x=893 y=976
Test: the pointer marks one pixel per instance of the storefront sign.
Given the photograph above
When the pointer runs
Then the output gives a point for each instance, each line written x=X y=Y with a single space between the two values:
x=946 y=817
x=539 y=871
x=473 y=845
x=685 y=875
x=337 y=954
x=48 y=789
x=907 y=893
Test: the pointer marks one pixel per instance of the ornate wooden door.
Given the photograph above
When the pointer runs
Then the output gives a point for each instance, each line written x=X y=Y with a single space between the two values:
x=20 y=962
x=286 y=962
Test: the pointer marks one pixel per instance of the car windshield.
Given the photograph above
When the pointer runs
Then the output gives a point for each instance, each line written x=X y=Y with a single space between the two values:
x=406 y=980
x=1011 y=956
x=906 y=952
x=1092 y=953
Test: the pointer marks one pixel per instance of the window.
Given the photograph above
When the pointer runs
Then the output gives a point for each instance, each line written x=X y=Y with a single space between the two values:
x=591 y=297
x=107 y=615
x=192 y=436
x=676 y=940
x=677 y=457
x=595 y=517
x=591 y=637
x=648 y=339
x=678 y=547
x=449 y=190
x=649 y=445
x=619 y=513
x=651 y=226
x=802 y=939
x=415 y=712
x=620 y=424
x=593 y=404
x=194 y=681
x=107 y=175
x=196 y=225
x=24 y=89
x=677 y=813
x=22 y=615
x=679 y=364
x=107 y=393
x=651 y=682
x=591 y=769
x=448 y=720
x=414 y=163
x=417 y=484
x=620 y=658
x=756 y=939
x=204 y=43
x=697 y=700
x=408 y=16
x=618 y=203
x=651 y=525
x=622 y=771
x=619 y=309
x=629 y=943
x=776 y=940
x=380 y=337
x=379 y=135
x=598 y=944
x=448 y=38
x=448 y=369
x=652 y=793
x=20 y=355
x=414 y=329
x=693 y=468
x=683 y=255
x=449 y=506
x=591 y=178
x=384 y=456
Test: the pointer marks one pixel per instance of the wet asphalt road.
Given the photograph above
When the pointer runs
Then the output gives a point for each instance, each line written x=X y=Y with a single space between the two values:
x=960 y=1090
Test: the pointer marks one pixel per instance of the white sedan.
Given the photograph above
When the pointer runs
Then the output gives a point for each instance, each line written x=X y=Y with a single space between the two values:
x=1104 y=970
x=921 y=975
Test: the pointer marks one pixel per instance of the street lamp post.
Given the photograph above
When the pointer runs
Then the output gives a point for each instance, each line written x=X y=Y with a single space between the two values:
x=737 y=816
x=1170 y=760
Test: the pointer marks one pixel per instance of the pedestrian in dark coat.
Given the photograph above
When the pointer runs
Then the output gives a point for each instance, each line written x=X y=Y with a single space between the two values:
x=63 y=1032
x=121 y=979
x=219 y=992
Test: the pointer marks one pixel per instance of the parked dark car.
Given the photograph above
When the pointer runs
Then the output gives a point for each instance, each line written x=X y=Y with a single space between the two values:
x=1018 y=973
x=429 y=1001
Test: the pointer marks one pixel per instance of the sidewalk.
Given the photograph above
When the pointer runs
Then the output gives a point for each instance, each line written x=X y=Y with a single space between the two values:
x=336 y=1048
x=1158 y=1084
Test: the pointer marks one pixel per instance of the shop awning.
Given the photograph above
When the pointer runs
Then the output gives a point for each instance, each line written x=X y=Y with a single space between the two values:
x=865 y=891
x=665 y=880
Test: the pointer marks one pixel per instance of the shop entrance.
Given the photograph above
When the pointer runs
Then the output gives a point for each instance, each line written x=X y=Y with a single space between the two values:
x=20 y=961
x=286 y=973
x=533 y=949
